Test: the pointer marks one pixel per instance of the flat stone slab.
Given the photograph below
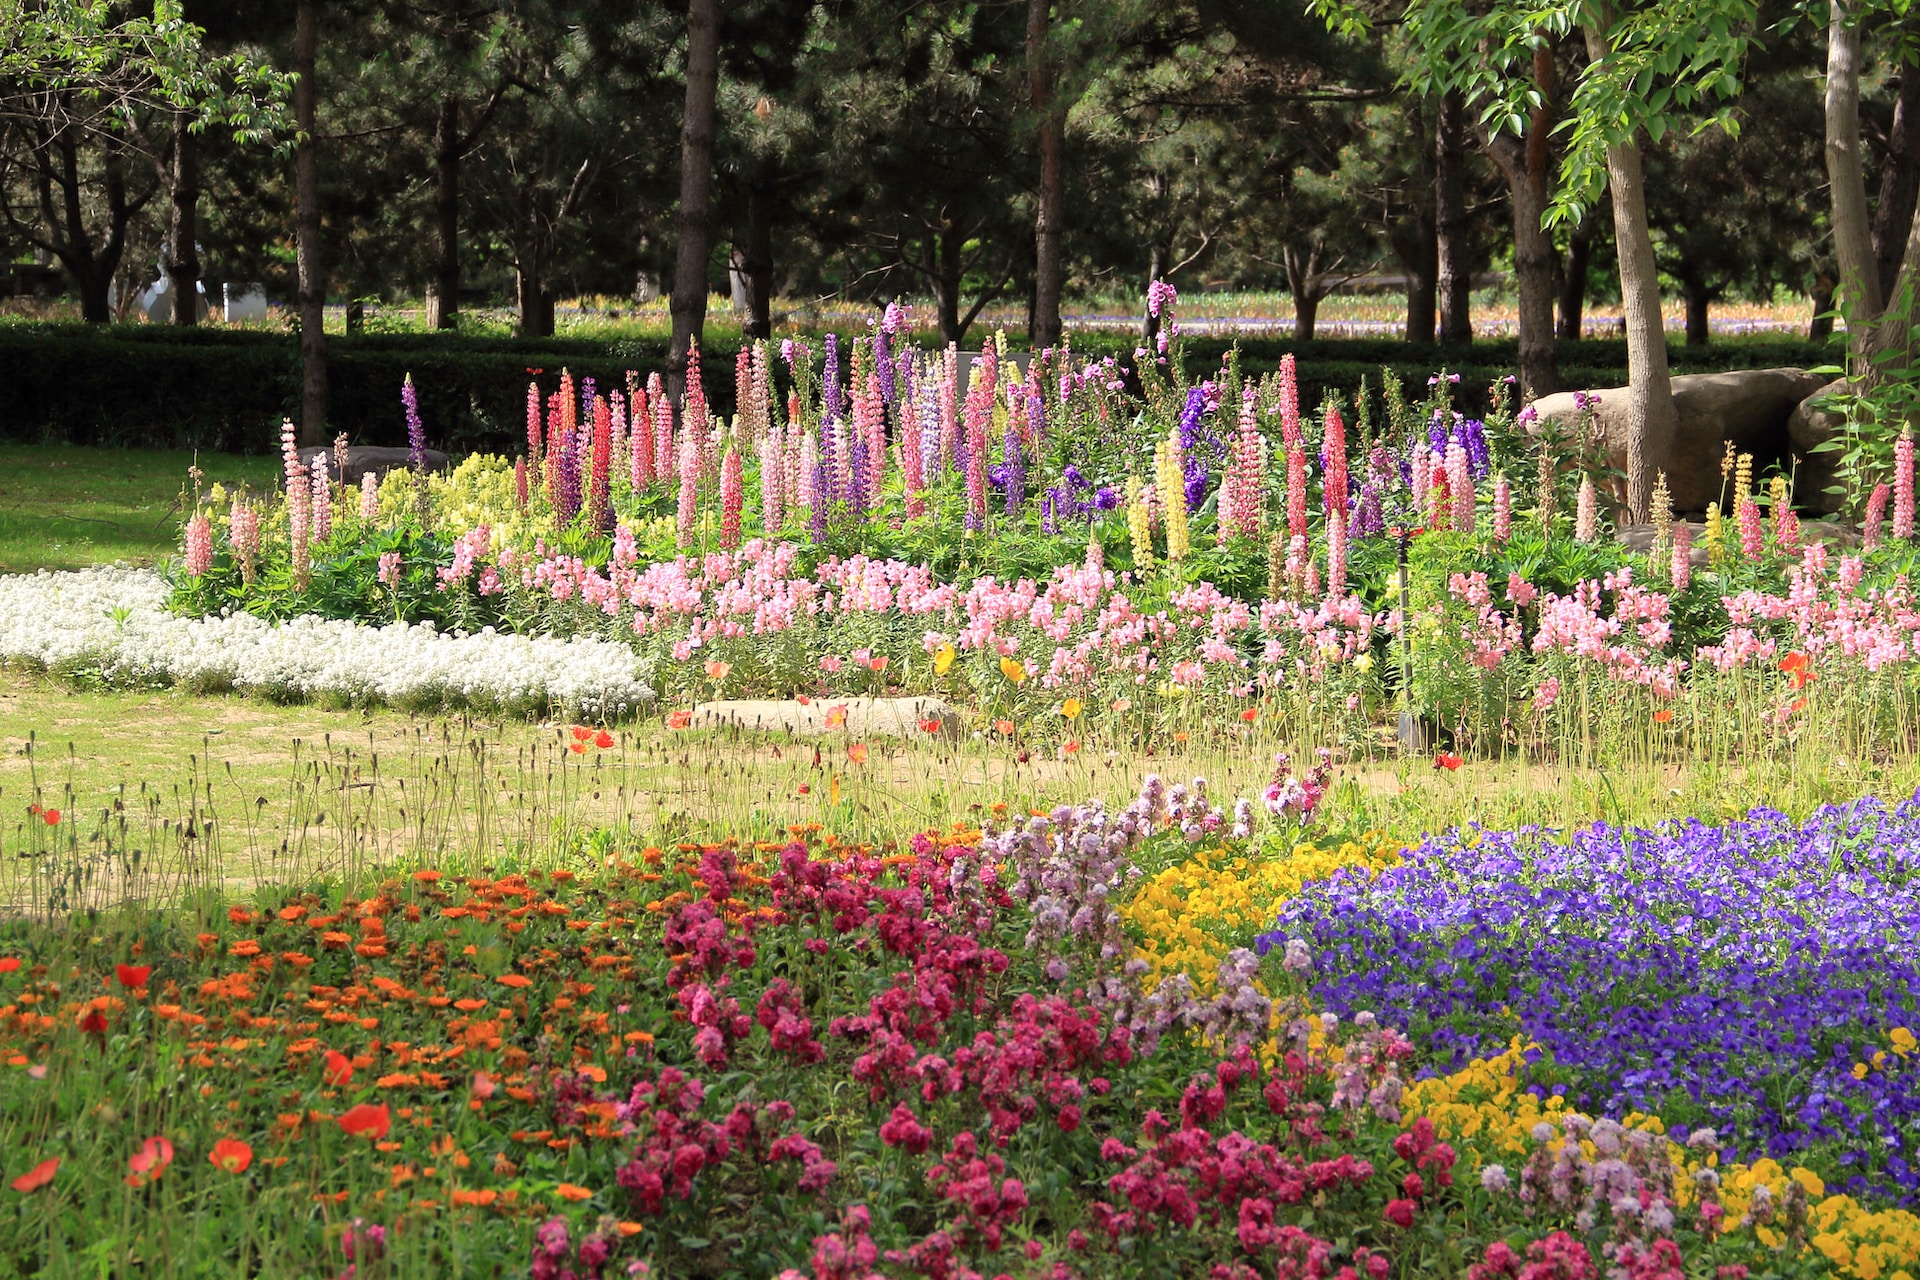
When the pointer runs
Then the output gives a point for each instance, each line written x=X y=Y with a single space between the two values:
x=864 y=717
x=379 y=459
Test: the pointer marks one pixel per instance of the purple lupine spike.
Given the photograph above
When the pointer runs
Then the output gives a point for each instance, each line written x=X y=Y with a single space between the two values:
x=416 y=432
x=857 y=477
x=1014 y=472
x=817 y=521
x=833 y=396
x=883 y=364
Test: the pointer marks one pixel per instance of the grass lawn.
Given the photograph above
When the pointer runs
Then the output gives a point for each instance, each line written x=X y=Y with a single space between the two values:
x=64 y=507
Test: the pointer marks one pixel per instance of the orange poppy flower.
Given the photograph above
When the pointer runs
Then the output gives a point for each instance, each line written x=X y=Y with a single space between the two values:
x=836 y=717
x=679 y=719
x=1003 y=727
x=857 y=753
x=231 y=1155
x=581 y=733
x=717 y=670
x=1250 y=714
x=1663 y=715
x=877 y=665
x=37 y=1177
x=367 y=1119
x=1070 y=746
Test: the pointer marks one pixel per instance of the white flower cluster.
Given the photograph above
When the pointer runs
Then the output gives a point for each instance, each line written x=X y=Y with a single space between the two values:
x=112 y=624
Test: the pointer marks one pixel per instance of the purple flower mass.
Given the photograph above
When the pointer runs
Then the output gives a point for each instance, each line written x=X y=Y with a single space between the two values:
x=1741 y=977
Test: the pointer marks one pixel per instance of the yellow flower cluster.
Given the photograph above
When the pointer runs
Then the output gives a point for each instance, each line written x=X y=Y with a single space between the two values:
x=1170 y=481
x=1484 y=1111
x=1192 y=914
x=1139 y=526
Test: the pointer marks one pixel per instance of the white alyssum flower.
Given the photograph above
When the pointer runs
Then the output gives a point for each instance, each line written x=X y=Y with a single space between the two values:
x=113 y=623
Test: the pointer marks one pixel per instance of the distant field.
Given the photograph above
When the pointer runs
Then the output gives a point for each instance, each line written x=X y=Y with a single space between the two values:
x=1222 y=313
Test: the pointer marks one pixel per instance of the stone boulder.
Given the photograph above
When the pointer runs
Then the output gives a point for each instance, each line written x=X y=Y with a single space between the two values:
x=377 y=459
x=865 y=717
x=1747 y=408
x=1812 y=424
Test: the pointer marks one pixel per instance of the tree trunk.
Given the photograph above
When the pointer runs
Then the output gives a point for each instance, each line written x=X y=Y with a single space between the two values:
x=1820 y=327
x=1694 y=290
x=1533 y=261
x=1651 y=419
x=306 y=195
x=183 y=256
x=532 y=295
x=757 y=258
x=1846 y=180
x=443 y=300
x=1419 y=256
x=689 y=305
x=946 y=284
x=1418 y=245
x=1573 y=282
x=1899 y=181
x=1045 y=329
x=1157 y=255
x=1307 y=283
x=1452 y=247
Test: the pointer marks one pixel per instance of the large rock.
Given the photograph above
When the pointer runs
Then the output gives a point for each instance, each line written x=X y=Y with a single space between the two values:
x=1747 y=408
x=1810 y=425
x=378 y=459
x=865 y=717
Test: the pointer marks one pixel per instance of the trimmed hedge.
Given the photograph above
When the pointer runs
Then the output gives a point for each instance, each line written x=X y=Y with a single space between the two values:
x=227 y=390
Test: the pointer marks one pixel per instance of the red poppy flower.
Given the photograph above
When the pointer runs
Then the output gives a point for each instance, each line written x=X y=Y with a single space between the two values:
x=1250 y=714
x=603 y=739
x=149 y=1162
x=230 y=1155
x=9 y=963
x=930 y=725
x=367 y=1119
x=581 y=733
x=1448 y=761
x=338 y=1070
x=52 y=817
x=37 y=1177
x=679 y=719
x=94 y=1022
x=133 y=975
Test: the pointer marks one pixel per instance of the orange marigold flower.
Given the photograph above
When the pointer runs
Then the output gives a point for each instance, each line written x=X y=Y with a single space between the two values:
x=515 y=980
x=568 y=1191
x=426 y=877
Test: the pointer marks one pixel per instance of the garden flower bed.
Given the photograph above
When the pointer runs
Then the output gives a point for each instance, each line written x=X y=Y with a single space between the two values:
x=1758 y=978
x=811 y=1059
x=112 y=626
